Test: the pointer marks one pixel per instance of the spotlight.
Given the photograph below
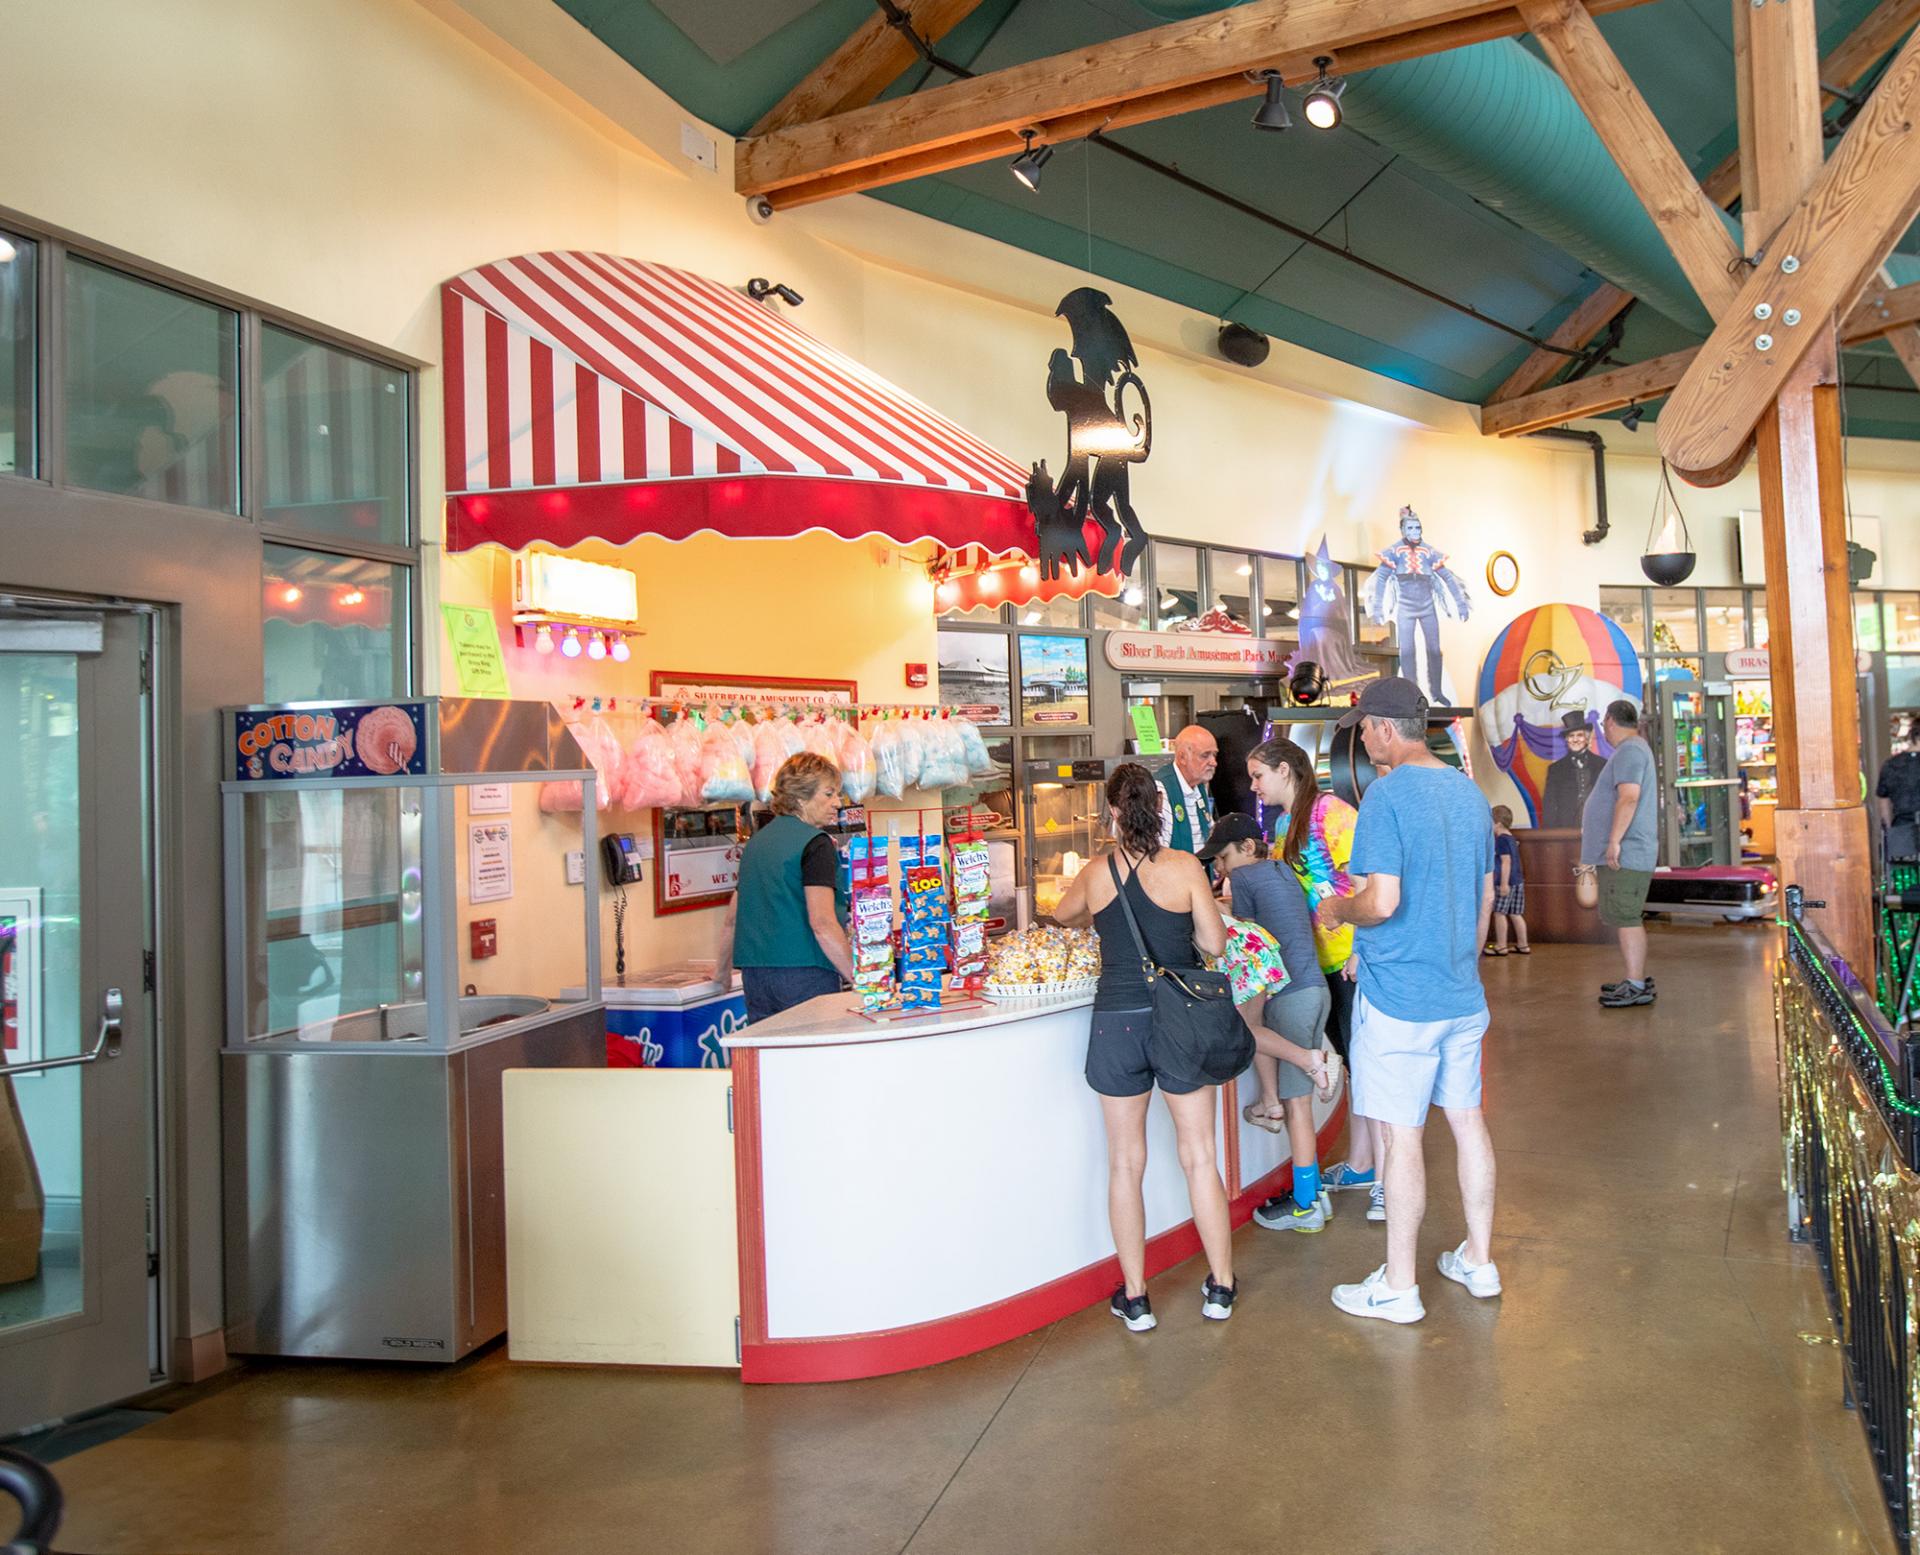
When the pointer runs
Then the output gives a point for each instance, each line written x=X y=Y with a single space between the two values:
x=543 y=639
x=1028 y=165
x=620 y=651
x=1322 y=101
x=290 y=594
x=989 y=583
x=352 y=597
x=1131 y=595
x=760 y=289
x=7 y=250
x=1630 y=418
x=948 y=594
x=570 y=645
x=1029 y=574
x=1272 y=114
x=596 y=646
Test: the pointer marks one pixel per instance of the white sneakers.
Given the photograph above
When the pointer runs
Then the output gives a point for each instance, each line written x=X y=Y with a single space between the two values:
x=1483 y=1279
x=1372 y=1297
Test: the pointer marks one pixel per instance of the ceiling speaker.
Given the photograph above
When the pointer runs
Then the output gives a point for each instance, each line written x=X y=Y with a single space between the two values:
x=1246 y=347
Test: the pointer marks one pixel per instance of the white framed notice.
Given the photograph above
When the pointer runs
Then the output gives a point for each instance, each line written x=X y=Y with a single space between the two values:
x=489 y=799
x=22 y=1039
x=489 y=861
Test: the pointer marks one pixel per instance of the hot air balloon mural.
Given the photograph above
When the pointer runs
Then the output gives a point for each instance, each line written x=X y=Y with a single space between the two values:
x=1550 y=661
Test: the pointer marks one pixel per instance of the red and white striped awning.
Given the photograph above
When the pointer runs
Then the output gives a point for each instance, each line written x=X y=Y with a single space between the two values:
x=588 y=394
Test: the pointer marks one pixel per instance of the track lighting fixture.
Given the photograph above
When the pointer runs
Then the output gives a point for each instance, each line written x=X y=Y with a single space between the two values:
x=1028 y=165
x=760 y=289
x=1272 y=113
x=1321 y=104
x=1630 y=418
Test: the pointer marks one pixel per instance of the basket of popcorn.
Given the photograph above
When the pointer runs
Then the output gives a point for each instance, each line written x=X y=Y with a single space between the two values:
x=1042 y=963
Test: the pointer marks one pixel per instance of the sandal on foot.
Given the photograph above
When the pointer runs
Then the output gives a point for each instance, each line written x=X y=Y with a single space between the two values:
x=1491 y=951
x=1251 y=1113
x=1523 y=950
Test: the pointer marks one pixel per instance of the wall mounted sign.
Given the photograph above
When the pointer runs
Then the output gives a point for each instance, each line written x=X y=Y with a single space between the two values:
x=489 y=799
x=1197 y=653
x=1104 y=436
x=386 y=739
x=477 y=663
x=1053 y=680
x=1146 y=729
x=489 y=861
x=1749 y=664
x=1503 y=573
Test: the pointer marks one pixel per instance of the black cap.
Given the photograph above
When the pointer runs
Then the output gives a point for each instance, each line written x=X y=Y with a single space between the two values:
x=1575 y=723
x=1229 y=829
x=1392 y=696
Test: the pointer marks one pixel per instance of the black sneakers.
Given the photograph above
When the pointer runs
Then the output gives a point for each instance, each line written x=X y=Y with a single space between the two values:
x=1616 y=987
x=1216 y=1301
x=1136 y=1311
x=1622 y=996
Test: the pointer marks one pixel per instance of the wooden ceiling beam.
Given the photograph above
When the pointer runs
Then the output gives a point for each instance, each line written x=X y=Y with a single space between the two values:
x=1148 y=75
x=1883 y=310
x=1689 y=221
x=1835 y=239
x=1599 y=308
x=875 y=56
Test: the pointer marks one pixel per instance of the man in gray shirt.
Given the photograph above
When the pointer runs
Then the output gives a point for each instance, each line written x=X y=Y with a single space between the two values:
x=1618 y=837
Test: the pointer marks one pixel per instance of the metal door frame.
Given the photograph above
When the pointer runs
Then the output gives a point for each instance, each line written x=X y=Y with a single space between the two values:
x=78 y=1370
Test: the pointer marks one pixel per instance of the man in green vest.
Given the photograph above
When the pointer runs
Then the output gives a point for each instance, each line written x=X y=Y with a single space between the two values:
x=1186 y=805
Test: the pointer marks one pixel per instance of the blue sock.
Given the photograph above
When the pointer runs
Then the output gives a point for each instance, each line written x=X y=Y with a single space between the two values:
x=1306 y=1185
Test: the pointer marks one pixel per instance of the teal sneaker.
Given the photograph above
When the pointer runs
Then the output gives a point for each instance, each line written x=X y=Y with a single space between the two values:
x=1343 y=1179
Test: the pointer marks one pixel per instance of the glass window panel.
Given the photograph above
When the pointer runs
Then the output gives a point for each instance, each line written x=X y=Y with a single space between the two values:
x=332 y=918
x=1233 y=585
x=19 y=451
x=1900 y=615
x=1050 y=612
x=1627 y=608
x=337 y=627
x=1176 y=580
x=1757 y=603
x=1127 y=613
x=334 y=450
x=1676 y=622
x=150 y=394
x=1726 y=613
x=1866 y=622
x=1366 y=629
x=1279 y=596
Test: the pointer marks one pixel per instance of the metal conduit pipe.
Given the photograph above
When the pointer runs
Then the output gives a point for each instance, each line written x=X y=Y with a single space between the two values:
x=1598 y=444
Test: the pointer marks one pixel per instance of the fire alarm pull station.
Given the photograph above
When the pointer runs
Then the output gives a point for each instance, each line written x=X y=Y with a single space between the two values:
x=916 y=676
x=483 y=938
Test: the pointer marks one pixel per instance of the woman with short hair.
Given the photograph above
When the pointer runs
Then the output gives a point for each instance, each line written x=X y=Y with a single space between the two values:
x=787 y=918
x=1173 y=904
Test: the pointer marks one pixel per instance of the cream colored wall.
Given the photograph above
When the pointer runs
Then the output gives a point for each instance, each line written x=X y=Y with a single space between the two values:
x=541 y=927
x=338 y=159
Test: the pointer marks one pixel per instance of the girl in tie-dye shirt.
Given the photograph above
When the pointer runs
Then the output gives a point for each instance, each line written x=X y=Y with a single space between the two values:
x=1313 y=832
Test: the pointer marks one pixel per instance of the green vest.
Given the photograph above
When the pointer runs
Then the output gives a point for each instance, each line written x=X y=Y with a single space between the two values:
x=770 y=927
x=1189 y=831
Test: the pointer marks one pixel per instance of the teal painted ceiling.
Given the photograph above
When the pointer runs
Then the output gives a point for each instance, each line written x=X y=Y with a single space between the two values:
x=1096 y=210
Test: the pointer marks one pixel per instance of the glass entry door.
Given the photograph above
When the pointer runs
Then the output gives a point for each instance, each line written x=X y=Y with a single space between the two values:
x=1702 y=809
x=76 y=1116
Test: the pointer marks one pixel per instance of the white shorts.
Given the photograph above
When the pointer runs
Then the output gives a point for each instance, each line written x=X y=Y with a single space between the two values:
x=1401 y=1067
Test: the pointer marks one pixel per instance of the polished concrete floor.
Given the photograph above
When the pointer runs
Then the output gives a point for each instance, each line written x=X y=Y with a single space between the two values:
x=1658 y=1376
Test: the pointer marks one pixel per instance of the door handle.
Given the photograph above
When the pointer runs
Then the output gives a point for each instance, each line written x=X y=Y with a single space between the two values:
x=105 y=1045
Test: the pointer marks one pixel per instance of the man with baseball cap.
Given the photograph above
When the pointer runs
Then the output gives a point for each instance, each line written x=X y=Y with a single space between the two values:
x=1424 y=845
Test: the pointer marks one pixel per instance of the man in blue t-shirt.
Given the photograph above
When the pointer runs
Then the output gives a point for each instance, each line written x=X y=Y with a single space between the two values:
x=1424 y=843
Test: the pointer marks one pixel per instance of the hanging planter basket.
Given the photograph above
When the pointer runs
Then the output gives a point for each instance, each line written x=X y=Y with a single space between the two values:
x=1669 y=557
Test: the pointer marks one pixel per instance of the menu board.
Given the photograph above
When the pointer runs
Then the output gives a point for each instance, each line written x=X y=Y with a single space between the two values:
x=1053 y=680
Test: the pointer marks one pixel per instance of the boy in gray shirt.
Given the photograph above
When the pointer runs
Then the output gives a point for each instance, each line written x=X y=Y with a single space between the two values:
x=1618 y=838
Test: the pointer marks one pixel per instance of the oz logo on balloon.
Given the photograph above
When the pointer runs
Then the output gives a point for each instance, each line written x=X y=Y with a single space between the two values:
x=1544 y=685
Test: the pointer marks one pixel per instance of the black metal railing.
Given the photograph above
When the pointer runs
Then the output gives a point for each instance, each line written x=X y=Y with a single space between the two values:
x=1851 y=1124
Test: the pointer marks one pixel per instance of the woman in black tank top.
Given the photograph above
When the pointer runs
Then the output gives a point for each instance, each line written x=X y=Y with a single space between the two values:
x=1172 y=901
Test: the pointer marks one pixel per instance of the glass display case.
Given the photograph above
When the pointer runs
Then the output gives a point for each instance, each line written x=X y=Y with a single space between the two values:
x=1754 y=754
x=1065 y=806
x=407 y=901
x=1700 y=804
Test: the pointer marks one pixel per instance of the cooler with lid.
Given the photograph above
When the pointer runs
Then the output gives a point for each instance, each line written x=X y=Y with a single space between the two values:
x=671 y=1017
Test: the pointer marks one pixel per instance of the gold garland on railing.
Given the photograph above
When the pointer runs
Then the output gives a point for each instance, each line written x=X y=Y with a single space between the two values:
x=1869 y=1186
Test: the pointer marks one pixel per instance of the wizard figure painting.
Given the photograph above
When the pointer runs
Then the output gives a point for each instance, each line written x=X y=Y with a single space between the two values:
x=1104 y=437
x=1410 y=588
x=1571 y=778
x=1326 y=626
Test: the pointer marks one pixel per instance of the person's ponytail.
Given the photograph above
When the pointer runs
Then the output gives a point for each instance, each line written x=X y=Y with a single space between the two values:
x=1135 y=799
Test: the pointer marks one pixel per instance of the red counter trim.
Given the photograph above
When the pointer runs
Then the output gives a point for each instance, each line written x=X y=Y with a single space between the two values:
x=844 y=1358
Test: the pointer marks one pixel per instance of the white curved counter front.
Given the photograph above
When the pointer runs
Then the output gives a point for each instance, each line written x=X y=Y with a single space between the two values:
x=911 y=1191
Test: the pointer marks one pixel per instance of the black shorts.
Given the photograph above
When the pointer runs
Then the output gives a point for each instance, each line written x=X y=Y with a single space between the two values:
x=1119 y=1062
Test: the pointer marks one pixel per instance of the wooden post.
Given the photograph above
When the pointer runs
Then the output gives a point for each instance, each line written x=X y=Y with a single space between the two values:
x=1822 y=836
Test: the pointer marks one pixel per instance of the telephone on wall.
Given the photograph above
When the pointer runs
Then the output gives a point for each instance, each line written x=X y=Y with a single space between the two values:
x=620 y=854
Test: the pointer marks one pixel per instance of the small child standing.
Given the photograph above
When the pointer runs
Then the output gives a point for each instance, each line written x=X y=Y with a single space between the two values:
x=1509 y=888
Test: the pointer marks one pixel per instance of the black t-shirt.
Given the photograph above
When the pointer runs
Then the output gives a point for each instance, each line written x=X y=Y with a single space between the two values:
x=820 y=863
x=1900 y=782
